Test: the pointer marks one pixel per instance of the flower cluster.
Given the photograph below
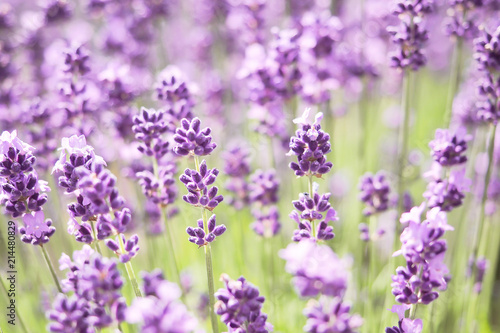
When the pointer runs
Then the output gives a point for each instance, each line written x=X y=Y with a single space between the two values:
x=330 y=315
x=237 y=168
x=263 y=195
x=316 y=269
x=148 y=127
x=96 y=302
x=405 y=325
x=21 y=191
x=375 y=193
x=84 y=174
x=239 y=305
x=423 y=249
x=460 y=21
x=310 y=144
x=311 y=209
x=487 y=56
x=198 y=181
x=173 y=90
x=410 y=35
x=201 y=194
x=200 y=237
x=192 y=140
x=448 y=151
x=160 y=310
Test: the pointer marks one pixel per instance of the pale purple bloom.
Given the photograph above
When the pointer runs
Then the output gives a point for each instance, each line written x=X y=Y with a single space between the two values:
x=330 y=316
x=405 y=325
x=37 y=230
x=266 y=224
x=263 y=187
x=375 y=191
x=316 y=269
x=448 y=148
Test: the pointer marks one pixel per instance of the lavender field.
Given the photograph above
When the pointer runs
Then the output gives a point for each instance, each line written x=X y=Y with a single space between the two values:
x=249 y=166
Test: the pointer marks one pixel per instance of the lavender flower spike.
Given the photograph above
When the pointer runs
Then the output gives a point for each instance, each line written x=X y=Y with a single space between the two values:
x=330 y=315
x=239 y=305
x=192 y=140
x=310 y=144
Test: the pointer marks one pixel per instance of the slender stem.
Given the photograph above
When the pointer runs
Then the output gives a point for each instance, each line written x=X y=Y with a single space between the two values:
x=130 y=271
x=403 y=148
x=51 y=268
x=96 y=241
x=455 y=75
x=310 y=188
x=208 y=261
x=170 y=242
x=491 y=148
x=413 y=311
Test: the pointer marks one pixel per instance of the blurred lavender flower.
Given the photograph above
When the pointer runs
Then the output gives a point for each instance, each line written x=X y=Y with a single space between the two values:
x=405 y=325
x=37 y=230
x=263 y=187
x=316 y=269
x=148 y=128
x=70 y=314
x=266 y=224
x=330 y=315
x=410 y=35
x=424 y=249
x=160 y=310
x=239 y=305
x=460 y=21
x=310 y=144
x=237 y=167
x=446 y=193
x=96 y=283
x=375 y=192
x=448 y=148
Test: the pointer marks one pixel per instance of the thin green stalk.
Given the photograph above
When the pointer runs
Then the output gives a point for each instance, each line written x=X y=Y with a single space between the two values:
x=480 y=234
x=310 y=189
x=130 y=271
x=170 y=242
x=455 y=75
x=491 y=147
x=403 y=148
x=51 y=268
x=413 y=311
x=96 y=241
x=208 y=261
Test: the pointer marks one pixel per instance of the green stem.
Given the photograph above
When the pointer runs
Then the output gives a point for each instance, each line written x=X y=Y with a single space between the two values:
x=51 y=268
x=478 y=234
x=170 y=242
x=130 y=271
x=208 y=262
x=413 y=311
x=455 y=75
x=403 y=148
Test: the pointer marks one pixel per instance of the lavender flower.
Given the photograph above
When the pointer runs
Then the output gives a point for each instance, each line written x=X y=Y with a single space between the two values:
x=311 y=209
x=263 y=187
x=316 y=269
x=191 y=140
x=266 y=224
x=405 y=325
x=37 y=230
x=424 y=250
x=375 y=192
x=161 y=190
x=410 y=35
x=446 y=193
x=237 y=167
x=160 y=310
x=330 y=316
x=239 y=305
x=148 y=128
x=172 y=88
x=69 y=314
x=310 y=144
x=200 y=237
x=197 y=183
x=487 y=51
x=96 y=282
x=129 y=250
x=449 y=148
